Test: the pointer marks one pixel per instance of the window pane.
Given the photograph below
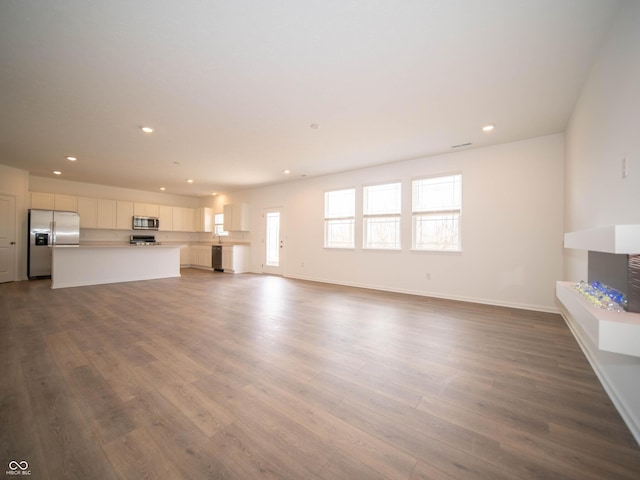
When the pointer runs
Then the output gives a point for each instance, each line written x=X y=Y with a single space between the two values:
x=382 y=232
x=273 y=239
x=218 y=225
x=339 y=233
x=340 y=203
x=438 y=193
x=436 y=231
x=382 y=199
x=339 y=212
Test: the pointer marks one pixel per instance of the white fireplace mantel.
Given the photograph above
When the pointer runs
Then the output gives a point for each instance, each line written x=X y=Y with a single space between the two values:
x=624 y=239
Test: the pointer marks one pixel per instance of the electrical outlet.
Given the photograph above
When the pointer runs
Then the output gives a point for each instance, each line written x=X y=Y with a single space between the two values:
x=302 y=264
x=428 y=276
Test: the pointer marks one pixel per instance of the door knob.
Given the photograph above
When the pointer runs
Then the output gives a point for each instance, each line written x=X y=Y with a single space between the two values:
x=12 y=243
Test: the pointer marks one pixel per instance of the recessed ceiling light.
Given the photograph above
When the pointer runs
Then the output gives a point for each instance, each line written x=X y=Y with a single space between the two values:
x=57 y=172
x=162 y=188
x=72 y=159
x=488 y=128
x=189 y=180
x=146 y=129
x=286 y=172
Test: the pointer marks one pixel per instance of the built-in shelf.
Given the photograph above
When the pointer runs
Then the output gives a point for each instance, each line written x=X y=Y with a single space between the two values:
x=617 y=332
x=623 y=239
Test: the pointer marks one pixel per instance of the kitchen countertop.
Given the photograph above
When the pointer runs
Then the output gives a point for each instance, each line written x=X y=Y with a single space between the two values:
x=159 y=244
x=223 y=244
x=118 y=245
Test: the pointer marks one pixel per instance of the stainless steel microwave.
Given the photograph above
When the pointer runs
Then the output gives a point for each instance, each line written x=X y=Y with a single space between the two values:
x=145 y=223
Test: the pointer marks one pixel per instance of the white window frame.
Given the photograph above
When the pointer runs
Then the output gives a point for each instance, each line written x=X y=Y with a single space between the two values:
x=332 y=219
x=453 y=211
x=370 y=218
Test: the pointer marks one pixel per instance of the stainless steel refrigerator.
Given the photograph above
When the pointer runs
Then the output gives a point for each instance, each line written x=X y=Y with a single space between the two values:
x=46 y=229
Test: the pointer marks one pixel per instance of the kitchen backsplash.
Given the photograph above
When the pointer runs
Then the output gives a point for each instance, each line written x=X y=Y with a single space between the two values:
x=88 y=235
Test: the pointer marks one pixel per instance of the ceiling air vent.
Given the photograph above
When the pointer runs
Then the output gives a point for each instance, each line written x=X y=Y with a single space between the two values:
x=461 y=145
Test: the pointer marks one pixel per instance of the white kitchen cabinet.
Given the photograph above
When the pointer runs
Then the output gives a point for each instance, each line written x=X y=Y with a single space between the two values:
x=97 y=213
x=235 y=258
x=236 y=217
x=165 y=214
x=88 y=211
x=183 y=219
x=124 y=215
x=146 y=210
x=106 y=214
x=185 y=255
x=227 y=258
x=49 y=201
x=65 y=203
x=204 y=219
x=44 y=201
x=200 y=255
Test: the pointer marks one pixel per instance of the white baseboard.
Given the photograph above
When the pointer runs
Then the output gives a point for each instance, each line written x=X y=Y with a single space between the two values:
x=497 y=303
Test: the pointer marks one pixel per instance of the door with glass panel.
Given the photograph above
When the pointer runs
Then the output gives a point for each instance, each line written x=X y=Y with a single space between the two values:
x=273 y=242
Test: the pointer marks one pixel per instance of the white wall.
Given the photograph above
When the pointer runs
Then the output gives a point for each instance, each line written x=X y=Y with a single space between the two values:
x=15 y=182
x=604 y=128
x=512 y=228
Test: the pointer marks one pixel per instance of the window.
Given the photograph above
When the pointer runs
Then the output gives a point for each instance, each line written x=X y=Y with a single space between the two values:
x=218 y=225
x=437 y=208
x=272 y=237
x=381 y=220
x=339 y=218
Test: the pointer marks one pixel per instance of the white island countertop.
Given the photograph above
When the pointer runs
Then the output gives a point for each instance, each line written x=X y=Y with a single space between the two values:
x=121 y=245
x=95 y=263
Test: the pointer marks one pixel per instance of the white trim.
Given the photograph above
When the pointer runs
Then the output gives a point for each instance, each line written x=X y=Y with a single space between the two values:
x=459 y=298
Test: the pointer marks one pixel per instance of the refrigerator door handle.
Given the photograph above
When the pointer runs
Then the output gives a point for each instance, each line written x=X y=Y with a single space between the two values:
x=53 y=234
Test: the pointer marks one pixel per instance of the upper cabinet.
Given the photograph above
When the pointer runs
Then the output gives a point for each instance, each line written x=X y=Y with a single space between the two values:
x=66 y=203
x=106 y=214
x=97 y=213
x=204 y=219
x=165 y=214
x=124 y=215
x=117 y=214
x=183 y=219
x=44 y=201
x=146 y=210
x=49 y=201
x=88 y=211
x=236 y=217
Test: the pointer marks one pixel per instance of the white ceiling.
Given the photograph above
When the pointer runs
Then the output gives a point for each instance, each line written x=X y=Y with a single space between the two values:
x=232 y=87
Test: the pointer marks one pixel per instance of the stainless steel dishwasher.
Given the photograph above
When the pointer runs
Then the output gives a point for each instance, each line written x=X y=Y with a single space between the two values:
x=216 y=258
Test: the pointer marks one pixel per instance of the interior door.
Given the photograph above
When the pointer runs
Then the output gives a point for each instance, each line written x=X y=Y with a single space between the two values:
x=7 y=238
x=273 y=242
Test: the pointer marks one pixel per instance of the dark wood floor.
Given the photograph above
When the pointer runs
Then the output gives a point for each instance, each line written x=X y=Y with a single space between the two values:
x=246 y=376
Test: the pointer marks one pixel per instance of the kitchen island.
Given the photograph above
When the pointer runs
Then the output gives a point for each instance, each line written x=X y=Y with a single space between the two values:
x=79 y=265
